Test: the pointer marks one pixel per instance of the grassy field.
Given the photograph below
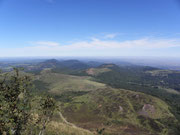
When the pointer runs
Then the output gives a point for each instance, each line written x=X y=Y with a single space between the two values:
x=97 y=71
x=59 y=83
x=162 y=72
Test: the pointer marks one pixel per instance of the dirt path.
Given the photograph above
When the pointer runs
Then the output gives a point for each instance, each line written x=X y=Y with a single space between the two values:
x=65 y=121
x=71 y=124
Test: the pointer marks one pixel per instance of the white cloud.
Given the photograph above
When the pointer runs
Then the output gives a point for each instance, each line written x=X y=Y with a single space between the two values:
x=110 y=36
x=95 y=47
x=47 y=43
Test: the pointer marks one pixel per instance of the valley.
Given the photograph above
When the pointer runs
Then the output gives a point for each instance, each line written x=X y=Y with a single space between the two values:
x=107 y=98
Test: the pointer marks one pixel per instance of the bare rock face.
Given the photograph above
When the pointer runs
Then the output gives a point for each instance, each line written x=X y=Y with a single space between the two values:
x=120 y=109
x=147 y=110
x=148 y=107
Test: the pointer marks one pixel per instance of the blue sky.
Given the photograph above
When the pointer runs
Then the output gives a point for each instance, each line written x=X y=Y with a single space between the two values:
x=89 y=28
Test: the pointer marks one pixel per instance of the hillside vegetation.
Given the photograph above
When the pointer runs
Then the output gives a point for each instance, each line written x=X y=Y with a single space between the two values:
x=94 y=106
x=103 y=99
x=120 y=112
